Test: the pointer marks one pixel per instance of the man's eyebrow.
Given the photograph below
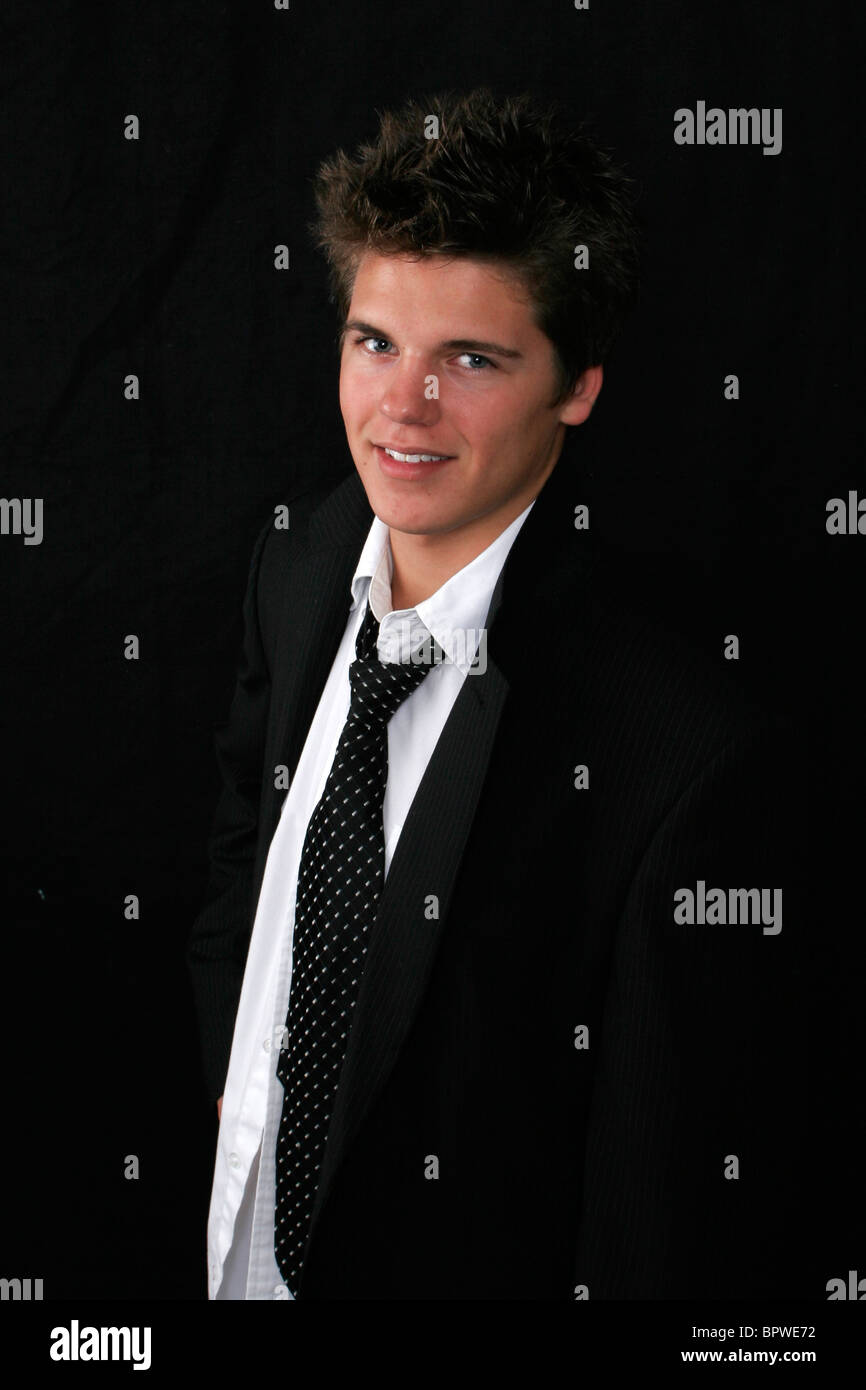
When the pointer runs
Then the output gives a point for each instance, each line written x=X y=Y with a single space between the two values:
x=451 y=344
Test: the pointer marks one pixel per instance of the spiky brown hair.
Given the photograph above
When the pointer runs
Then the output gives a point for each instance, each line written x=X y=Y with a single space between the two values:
x=515 y=181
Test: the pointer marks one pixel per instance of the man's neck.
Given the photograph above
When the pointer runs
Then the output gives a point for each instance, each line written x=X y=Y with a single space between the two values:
x=423 y=563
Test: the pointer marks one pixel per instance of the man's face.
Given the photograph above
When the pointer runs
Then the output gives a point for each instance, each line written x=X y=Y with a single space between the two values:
x=443 y=357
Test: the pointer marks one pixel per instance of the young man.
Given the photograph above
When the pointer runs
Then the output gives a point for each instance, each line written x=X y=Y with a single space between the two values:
x=467 y=1050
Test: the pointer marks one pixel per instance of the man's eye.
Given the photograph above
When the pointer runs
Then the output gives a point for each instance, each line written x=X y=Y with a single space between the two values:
x=373 y=340
x=479 y=358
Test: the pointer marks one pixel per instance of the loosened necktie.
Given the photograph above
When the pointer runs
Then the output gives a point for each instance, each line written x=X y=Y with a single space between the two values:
x=340 y=878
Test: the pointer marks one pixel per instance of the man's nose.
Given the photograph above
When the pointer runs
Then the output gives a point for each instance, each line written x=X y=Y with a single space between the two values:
x=411 y=394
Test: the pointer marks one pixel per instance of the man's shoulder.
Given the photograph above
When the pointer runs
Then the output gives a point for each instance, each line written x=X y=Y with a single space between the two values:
x=286 y=535
x=297 y=506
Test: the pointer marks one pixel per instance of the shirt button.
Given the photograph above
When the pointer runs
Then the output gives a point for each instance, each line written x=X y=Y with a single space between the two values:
x=234 y=1160
x=267 y=1044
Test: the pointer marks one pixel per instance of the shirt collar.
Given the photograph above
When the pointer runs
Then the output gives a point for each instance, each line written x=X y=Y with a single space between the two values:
x=453 y=616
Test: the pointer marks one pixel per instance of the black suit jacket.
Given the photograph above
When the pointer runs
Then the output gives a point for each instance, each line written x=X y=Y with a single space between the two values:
x=563 y=1171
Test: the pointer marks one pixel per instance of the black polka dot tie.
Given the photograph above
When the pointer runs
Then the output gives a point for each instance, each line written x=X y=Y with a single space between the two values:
x=341 y=874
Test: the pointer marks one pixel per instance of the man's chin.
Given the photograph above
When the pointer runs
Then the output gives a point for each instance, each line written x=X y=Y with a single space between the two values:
x=416 y=515
x=412 y=521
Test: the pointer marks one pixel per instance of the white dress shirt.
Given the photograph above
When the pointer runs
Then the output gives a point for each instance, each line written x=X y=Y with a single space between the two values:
x=241 y=1261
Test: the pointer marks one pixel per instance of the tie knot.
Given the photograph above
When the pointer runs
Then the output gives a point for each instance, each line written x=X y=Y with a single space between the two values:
x=380 y=687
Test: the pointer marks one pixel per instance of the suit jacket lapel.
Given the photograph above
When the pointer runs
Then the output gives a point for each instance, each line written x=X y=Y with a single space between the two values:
x=313 y=614
x=405 y=938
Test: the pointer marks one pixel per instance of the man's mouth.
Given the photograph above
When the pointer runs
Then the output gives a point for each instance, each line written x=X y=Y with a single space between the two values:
x=413 y=458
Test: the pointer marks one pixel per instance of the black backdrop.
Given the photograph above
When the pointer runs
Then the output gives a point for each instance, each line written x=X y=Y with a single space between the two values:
x=156 y=257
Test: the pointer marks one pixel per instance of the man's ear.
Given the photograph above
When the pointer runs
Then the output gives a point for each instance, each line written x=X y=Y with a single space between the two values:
x=577 y=406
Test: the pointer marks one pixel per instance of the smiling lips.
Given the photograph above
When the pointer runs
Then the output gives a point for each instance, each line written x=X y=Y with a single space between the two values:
x=413 y=458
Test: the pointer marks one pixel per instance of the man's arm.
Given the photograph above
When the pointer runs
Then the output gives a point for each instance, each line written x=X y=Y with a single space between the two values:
x=219 y=938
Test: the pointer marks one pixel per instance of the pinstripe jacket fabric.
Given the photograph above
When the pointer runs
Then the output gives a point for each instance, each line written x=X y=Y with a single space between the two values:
x=554 y=1089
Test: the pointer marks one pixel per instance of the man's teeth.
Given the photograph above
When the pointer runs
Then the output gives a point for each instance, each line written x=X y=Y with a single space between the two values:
x=416 y=458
